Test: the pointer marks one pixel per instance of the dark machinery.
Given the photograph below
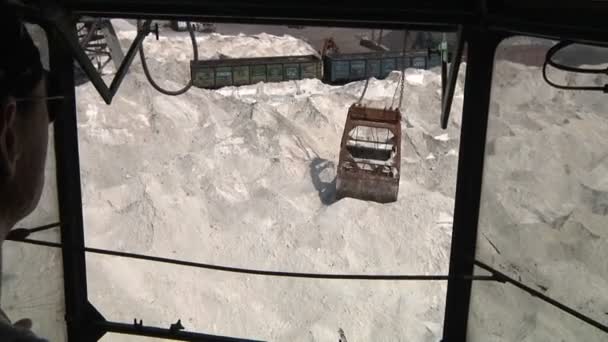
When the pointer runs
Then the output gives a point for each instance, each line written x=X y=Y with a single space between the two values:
x=100 y=43
x=329 y=47
x=373 y=43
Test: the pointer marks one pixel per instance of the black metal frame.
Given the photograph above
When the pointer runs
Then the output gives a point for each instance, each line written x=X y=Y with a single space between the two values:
x=482 y=46
x=484 y=27
x=68 y=186
x=62 y=21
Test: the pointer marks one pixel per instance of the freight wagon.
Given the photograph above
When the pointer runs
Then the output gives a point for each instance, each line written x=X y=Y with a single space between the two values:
x=344 y=68
x=212 y=74
x=332 y=69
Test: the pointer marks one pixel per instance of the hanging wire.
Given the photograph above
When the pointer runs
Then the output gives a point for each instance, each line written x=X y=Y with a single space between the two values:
x=375 y=138
x=403 y=70
x=402 y=76
x=367 y=77
x=396 y=277
x=402 y=86
x=155 y=85
x=395 y=93
x=364 y=89
x=495 y=274
x=506 y=279
x=401 y=82
x=386 y=139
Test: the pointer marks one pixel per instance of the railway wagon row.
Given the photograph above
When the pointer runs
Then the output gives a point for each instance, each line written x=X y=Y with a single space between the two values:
x=331 y=69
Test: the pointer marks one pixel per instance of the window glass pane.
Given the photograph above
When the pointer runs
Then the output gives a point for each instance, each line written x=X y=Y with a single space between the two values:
x=263 y=308
x=502 y=312
x=543 y=207
x=246 y=176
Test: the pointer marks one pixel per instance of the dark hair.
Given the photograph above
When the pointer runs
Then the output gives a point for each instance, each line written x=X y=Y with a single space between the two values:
x=20 y=66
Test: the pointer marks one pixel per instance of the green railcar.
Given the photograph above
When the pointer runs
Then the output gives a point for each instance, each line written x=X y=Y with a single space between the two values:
x=334 y=69
x=213 y=74
x=343 y=68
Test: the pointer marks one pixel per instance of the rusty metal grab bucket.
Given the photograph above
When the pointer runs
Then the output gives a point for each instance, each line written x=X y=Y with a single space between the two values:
x=369 y=165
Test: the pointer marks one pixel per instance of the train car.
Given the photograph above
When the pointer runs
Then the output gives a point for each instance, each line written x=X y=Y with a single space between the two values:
x=344 y=68
x=213 y=74
x=333 y=69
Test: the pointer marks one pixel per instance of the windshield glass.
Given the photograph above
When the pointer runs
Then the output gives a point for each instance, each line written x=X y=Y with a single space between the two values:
x=241 y=171
x=544 y=199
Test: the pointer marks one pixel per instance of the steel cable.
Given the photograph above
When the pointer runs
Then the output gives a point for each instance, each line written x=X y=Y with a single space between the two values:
x=395 y=277
x=155 y=85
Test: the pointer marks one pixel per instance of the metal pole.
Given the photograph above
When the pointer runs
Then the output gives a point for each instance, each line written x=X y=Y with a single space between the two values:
x=482 y=45
x=68 y=187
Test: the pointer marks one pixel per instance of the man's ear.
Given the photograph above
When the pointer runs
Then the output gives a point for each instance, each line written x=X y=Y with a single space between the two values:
x=8 y=138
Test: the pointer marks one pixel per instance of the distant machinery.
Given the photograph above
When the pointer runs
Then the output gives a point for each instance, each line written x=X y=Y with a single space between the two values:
x=101 y=45
x=373 y=43
x=182 y=26
x=329 y=47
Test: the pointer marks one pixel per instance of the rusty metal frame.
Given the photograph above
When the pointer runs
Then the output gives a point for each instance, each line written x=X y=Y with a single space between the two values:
x=352 y=179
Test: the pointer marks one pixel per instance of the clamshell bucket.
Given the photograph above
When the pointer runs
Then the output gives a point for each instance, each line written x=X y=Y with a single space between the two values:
x=370 y=155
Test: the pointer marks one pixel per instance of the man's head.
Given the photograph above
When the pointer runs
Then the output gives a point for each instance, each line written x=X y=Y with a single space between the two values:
x=24 y=124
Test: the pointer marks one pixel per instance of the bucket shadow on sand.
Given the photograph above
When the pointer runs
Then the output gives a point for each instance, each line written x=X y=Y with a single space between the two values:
x=323 y=176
